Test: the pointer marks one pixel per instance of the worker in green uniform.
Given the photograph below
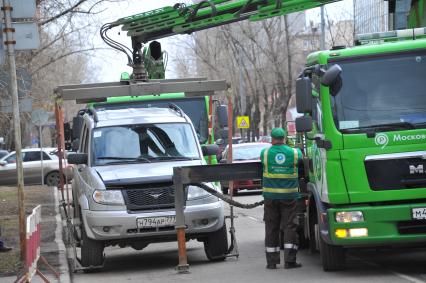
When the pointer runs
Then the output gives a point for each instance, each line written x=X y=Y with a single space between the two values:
x=280 y=187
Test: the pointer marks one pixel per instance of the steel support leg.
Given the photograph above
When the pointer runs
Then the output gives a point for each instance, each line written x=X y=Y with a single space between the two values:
x=183 y=266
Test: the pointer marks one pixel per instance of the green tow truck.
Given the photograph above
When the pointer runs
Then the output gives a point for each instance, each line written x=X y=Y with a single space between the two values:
x=364 y=123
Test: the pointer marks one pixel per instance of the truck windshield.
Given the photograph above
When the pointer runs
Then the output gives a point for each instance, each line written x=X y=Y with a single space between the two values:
x=382 y=93
x=144 y=143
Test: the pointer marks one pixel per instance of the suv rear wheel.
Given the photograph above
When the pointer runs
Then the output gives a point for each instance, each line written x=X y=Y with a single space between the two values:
x=92 y=251
x=216 y=244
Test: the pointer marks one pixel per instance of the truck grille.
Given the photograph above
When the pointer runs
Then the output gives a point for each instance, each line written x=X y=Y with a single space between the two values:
x=396 y=174
x=149 y=199
x=412 y=227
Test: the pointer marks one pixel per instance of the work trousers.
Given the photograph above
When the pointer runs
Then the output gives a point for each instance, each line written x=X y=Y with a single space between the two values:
x=280 y=213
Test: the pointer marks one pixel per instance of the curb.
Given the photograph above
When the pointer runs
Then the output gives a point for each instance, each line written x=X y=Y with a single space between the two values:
x=64 y=268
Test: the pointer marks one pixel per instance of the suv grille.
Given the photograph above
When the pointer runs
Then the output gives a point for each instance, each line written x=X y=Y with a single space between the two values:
x=149 y=199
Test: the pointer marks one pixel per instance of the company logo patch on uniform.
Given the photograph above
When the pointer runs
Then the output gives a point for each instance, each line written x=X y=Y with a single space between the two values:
x=280 y=158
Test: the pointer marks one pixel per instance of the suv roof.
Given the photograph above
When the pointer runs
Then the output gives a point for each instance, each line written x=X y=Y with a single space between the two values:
x=139 y=115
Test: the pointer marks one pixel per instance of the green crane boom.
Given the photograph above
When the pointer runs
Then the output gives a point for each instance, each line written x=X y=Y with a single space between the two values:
x=183 y=19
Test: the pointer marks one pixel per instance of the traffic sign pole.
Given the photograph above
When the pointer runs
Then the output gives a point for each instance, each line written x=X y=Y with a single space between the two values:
x=8 y=30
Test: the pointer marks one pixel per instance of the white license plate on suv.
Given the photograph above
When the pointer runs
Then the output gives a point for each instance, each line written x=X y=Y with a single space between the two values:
x=419 y=213
x=154 y=222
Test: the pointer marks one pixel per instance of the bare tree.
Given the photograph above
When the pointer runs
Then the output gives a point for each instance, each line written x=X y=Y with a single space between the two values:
x=271 y=56
x=67 y=29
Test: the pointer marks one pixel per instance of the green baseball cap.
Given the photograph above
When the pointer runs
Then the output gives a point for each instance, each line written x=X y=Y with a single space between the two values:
x=278 y=133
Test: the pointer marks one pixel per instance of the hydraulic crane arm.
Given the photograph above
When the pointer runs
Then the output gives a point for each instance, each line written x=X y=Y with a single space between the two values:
x=182 y=19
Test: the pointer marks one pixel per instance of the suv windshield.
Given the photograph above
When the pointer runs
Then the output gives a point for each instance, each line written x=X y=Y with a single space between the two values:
x=144 y=143
x=194 y=107
x=383 y=93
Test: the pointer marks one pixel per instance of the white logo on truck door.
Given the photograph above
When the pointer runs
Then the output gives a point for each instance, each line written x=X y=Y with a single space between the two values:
x=381 y=140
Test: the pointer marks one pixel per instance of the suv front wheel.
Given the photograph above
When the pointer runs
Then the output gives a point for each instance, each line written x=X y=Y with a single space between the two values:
x=92 y=252
x=216 y=244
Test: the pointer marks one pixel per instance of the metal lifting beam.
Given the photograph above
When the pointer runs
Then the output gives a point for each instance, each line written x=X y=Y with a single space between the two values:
x=183 y=176
x=182 y=19
x=87 y=93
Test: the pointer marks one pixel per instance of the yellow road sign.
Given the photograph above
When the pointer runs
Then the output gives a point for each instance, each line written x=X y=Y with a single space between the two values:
x=243 y=122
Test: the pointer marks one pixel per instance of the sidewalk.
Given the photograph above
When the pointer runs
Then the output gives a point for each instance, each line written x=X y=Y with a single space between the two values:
x=52 y=245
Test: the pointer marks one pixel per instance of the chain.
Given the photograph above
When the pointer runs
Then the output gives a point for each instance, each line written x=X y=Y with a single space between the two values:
x=226 y=198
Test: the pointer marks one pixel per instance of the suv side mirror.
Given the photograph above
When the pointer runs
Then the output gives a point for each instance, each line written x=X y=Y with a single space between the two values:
x=304 y=124
x=3 y=163
x=304 y=95
x=210 y=149
x=331 y=75
x=77 y=158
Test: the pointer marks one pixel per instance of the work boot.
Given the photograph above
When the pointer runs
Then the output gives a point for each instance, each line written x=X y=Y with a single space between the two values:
x=5 y=249
x=271 y=266
x=289 y=265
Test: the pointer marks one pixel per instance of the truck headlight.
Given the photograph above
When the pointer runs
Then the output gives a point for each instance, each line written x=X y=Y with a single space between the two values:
x=349 y=216
x=195 y=192
x=351 y=233
x=111 y=197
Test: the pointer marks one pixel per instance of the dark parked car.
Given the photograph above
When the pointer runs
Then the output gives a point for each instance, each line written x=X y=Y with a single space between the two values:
x=244 y=152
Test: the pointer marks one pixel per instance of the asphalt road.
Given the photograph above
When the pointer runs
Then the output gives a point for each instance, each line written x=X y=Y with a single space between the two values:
x=156 y=263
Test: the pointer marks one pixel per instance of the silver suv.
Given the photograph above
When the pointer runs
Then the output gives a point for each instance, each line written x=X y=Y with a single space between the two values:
x=122 y=188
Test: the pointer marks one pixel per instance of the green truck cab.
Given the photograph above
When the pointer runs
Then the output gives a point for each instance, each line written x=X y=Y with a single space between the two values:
x=365 y=125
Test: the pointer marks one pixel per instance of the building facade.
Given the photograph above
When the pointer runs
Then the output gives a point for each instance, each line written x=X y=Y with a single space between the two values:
x=371 y=16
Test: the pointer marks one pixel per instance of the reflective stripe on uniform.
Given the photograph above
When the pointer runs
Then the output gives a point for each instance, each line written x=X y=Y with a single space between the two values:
x=279 y=176
x=278 y=190
x=291 y=246
x=272 y=250
x=295 y=159
x=265 y=160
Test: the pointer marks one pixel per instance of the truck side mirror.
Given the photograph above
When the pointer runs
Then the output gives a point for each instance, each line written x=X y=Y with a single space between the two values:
x=222 y=116
x=304 y=95
x=77 y=124
x=332 y=79
x=304 y=124
x=331 y=75
x=67 y=131
x=75 y=144
x=209 y=150
x=77 y=158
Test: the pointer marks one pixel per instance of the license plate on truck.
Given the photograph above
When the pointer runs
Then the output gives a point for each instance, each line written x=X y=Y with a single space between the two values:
x=154 y=222
x=419 y=213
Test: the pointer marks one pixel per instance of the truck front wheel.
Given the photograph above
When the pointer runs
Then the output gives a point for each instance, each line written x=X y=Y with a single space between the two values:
x=216 y=244
x=332 y=257
x=92 y=251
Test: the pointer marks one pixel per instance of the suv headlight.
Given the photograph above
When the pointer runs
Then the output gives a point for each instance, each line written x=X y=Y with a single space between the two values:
x=111 y=197
x=195 y=192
